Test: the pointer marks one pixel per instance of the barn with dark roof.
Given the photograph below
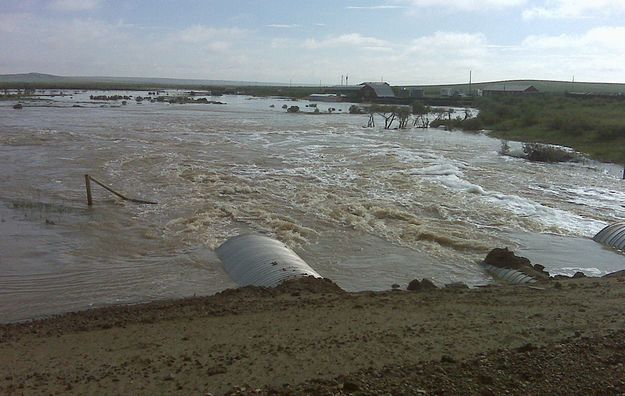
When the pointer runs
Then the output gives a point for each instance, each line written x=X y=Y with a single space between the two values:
x=364 y=92
x=504 y=89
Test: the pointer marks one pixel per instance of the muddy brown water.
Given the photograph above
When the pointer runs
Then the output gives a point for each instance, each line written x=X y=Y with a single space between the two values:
x=364 y=207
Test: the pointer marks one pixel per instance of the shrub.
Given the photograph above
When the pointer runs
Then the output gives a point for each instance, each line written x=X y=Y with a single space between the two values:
x=505 y=148
x=438 y=122
x=353 y=109
x=547 y=153
x=419 y=108
x=472 y=124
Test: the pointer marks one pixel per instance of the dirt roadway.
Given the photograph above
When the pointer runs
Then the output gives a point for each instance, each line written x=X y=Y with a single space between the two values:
x=365 y=343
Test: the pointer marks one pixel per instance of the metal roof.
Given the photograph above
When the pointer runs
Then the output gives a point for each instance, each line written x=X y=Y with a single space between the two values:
x=509 y=88
x=382 y=90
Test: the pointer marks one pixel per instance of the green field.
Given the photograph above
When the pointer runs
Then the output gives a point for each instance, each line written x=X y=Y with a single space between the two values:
x=594 y=126
x=544 y=86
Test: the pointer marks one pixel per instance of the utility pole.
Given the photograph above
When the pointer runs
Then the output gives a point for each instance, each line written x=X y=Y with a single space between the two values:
x=470 y=76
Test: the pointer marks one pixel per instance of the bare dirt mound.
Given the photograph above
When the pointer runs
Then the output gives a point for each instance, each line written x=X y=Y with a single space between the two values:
x=294 y=286
x=309 y=284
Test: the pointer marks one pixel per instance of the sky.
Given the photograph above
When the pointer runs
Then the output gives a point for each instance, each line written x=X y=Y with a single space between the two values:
x=316 y=42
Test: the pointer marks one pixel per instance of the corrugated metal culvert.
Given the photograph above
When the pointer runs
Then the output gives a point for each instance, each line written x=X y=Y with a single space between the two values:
x=508 y=275
x=612 y=235
x=258 y=260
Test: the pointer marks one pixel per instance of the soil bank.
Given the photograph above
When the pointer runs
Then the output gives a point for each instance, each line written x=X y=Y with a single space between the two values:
x=309 y=337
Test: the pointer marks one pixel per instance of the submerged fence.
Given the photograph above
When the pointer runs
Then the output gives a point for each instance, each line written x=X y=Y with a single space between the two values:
x=89 y=179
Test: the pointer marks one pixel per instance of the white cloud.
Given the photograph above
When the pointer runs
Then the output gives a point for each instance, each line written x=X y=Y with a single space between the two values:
x=376 y=7
x=574 y=9
x=378 y=49
x=14 y=22
x=283 y=26
x=465 y=5
x=451 y=44
x=280 y=43
x=549 y=42
x=74 y=5
x=88 y=46
x=604 y=39
x=445 y=56
x=595 y=55
x=200 y=34
x=203 y=38
x=346 y=40
x=453 y=39
x=84 y=46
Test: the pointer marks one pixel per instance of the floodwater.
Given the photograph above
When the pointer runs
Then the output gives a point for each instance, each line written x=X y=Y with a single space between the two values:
x=364 y=207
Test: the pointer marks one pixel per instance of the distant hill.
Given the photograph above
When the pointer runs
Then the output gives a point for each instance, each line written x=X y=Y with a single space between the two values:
x=29 y=78
x=98 y=81
x=547 y=86
x=40 y=80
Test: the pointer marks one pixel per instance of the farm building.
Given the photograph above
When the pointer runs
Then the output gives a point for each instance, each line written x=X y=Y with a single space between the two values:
x=323 y=97
x=411 y=92
x=376 y=90
x=452 y=92
x=504 y=89
x=364 y=92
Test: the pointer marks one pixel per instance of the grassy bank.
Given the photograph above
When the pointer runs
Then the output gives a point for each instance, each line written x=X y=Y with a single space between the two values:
x=595 y=126
x=544 y=86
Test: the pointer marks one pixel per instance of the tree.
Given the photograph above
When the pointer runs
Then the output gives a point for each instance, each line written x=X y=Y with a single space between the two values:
x=420 y=112
x=387 y=112
x=371 y=122
x=403 y=116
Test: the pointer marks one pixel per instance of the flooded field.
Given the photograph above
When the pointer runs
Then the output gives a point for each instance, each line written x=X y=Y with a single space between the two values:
x=364 y=207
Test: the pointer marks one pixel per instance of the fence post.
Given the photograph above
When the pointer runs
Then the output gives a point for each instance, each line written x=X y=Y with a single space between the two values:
x=88 y=185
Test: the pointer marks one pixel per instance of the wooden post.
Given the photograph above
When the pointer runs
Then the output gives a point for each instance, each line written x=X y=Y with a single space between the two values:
x=88 y=185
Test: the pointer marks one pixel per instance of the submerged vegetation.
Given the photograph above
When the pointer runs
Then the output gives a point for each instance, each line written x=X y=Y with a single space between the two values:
x=541 y=152
x=595 y=126
x=548 y=153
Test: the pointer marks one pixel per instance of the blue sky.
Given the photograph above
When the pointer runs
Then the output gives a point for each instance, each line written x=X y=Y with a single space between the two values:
x=400 y=41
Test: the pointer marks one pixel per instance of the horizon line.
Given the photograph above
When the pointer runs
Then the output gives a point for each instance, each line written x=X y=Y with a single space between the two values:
x=291 y=84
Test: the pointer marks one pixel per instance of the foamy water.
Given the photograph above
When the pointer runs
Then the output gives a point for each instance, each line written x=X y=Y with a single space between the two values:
x=364 y=207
